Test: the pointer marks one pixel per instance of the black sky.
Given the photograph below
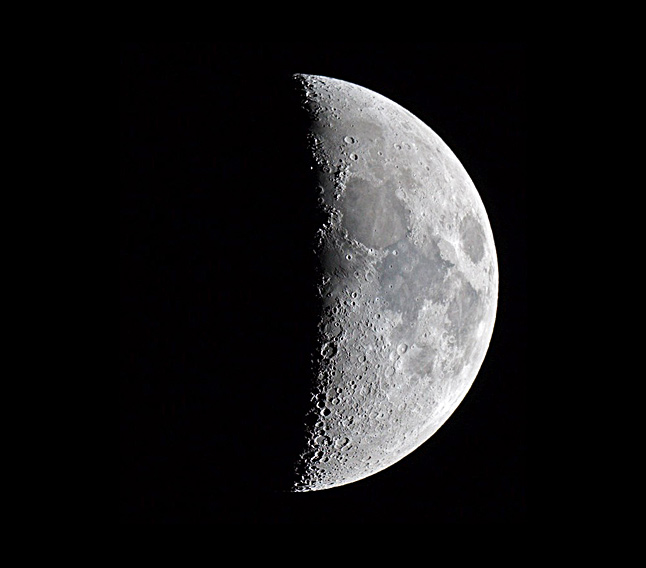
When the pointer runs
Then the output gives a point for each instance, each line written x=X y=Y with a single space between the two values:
x=214 y=315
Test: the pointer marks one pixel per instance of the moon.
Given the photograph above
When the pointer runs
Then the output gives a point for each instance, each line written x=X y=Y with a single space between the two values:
x=408 y=284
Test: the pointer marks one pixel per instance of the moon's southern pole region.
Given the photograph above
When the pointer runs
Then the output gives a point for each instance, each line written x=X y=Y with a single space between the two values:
x=408 y=283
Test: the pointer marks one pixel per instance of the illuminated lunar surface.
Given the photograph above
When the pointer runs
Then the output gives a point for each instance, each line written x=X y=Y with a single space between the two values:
x=408 y=284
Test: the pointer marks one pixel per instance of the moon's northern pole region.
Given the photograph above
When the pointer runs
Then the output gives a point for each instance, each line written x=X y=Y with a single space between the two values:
x=408 y=284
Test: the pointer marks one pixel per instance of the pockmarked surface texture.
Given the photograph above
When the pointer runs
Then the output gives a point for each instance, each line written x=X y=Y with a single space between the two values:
x=408 y=284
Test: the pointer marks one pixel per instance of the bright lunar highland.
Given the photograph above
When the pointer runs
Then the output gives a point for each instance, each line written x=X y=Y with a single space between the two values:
x=408 y=284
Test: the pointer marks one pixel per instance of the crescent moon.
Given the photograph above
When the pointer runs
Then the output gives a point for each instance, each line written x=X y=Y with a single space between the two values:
x=408 y=284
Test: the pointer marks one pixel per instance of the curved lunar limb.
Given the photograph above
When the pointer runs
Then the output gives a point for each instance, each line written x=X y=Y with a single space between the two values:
x=408 y=284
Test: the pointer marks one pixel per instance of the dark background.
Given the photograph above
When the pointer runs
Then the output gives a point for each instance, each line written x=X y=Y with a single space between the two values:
x=216 y=274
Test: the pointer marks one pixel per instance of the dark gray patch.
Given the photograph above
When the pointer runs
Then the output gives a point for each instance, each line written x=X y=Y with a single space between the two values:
x=366 y=132
x=409 y=278
x=372 y=213
x=464 y=312
x=421 y=361
x=472 y=237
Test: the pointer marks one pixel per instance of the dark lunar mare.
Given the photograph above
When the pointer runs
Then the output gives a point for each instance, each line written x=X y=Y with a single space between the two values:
x=218 y=303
